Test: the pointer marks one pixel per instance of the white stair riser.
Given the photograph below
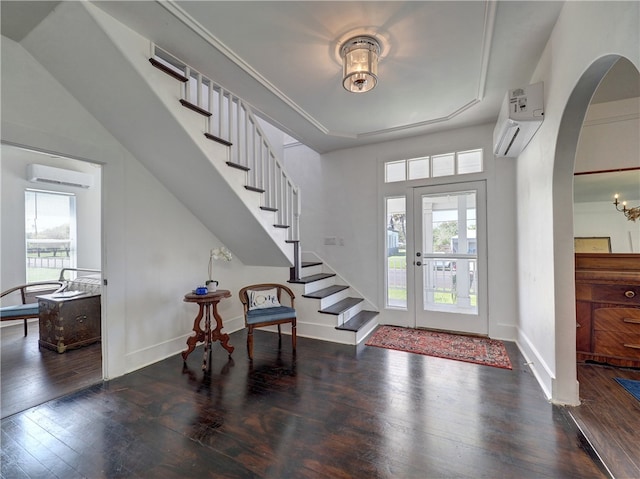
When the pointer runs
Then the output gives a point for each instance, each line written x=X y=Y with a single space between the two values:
x=334 y=298
x=364 y=332
x=311 y=270
x=349 y=313
x=318 y=285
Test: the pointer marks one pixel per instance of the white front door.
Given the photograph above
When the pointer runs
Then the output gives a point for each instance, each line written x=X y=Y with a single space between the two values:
x=450 y=257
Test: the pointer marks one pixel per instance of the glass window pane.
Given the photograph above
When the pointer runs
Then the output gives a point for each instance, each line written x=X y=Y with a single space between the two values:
x=419 y=168
x=50 y=234
x=395 y=171
x=396 y=263
x=450 y=281
x=443 y=165
x=469 y=161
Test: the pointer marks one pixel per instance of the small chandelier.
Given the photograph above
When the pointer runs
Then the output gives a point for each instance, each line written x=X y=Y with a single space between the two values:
x=632 y=214
x=360 y=63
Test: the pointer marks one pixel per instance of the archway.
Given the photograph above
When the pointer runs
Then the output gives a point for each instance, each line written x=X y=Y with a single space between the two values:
x=566 y=385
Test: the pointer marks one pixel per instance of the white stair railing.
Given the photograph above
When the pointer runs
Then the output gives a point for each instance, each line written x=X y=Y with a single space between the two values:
x=232 y=122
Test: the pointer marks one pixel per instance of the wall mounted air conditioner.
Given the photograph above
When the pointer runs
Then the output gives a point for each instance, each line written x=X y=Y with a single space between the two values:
x=58 y=176
x=520 y=117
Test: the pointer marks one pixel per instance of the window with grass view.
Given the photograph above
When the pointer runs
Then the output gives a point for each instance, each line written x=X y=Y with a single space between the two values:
x=396 y=252
x=50 y=232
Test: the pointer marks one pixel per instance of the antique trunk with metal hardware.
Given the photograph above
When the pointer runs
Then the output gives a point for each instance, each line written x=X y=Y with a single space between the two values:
x=608 y=308
x=68 y=322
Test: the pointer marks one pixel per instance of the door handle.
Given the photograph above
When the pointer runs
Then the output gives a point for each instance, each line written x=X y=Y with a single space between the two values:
x=418 y=263
x=418 y=254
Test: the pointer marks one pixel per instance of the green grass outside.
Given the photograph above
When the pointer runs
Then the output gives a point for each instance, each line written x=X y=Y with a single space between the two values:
x=397 y=262
x=440 y=298
x=42 y=274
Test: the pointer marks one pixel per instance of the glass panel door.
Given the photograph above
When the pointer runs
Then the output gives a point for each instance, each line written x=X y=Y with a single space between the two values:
x=449 y=258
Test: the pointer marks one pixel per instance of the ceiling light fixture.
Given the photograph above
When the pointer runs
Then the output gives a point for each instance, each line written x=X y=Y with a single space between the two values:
x=632 y=214
x=360 y=63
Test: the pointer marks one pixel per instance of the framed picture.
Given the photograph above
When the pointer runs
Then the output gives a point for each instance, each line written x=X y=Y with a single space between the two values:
x=592 y=245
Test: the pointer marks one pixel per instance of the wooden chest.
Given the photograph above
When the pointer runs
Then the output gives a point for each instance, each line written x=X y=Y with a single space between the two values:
x=67 y=323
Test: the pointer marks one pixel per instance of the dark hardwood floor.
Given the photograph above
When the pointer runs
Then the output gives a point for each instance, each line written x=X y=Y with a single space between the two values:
x=331 y=411
x=31 y=376
x=609 y=417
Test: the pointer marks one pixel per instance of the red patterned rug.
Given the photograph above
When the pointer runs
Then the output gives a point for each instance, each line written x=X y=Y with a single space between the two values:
x=471 y=349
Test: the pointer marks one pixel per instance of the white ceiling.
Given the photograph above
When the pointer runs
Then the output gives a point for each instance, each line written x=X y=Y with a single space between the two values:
x=444 y=64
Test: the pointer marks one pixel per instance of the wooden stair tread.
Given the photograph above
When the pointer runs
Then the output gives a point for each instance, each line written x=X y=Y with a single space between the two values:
x=307 y=264
x=281 y=226
x=341 y=306
x=358 y=321
x=268 y=208
x=312 y=278
x=238 y=166
x=323 y=293
x=254 y=188
x=168 y=71
x=218 y=139
x=194 y=107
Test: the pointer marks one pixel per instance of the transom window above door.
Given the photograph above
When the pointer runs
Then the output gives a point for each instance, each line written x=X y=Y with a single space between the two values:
x=448 y=164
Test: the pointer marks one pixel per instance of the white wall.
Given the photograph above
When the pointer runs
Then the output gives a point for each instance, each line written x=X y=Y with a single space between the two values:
x=609 y=140
x=600 y=219
x=610 y=136
x=584 y=43
x=154 y=249
x=343 y=197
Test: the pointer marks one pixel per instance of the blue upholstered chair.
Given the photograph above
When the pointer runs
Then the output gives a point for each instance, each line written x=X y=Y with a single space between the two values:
x=263 y=307
x=29 y=307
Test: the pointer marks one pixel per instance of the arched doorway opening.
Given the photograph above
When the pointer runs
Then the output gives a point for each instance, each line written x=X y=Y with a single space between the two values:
x=563 y=176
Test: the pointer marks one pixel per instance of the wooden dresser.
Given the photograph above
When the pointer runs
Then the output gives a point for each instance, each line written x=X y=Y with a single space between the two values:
x=608 y=308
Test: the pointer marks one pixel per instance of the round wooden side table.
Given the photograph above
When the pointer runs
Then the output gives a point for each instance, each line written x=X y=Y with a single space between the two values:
x=208 y=304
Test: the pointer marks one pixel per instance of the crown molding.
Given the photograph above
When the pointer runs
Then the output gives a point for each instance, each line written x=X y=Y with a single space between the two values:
x=212 y=40
x=488 y=30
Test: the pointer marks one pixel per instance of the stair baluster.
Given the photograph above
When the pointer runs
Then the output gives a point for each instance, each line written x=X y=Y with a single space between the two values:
x=231 y=122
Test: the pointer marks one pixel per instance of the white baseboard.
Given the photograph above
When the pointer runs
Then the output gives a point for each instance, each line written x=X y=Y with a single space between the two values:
x=539 y=367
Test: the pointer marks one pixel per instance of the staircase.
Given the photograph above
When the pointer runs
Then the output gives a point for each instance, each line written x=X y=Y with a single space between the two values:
x=202 y=142
x=332 y=302
x=230 y=122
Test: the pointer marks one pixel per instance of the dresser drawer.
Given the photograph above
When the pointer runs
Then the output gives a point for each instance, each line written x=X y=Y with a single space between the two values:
x=616 y=293
x=624 y=320
x=610 y=343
